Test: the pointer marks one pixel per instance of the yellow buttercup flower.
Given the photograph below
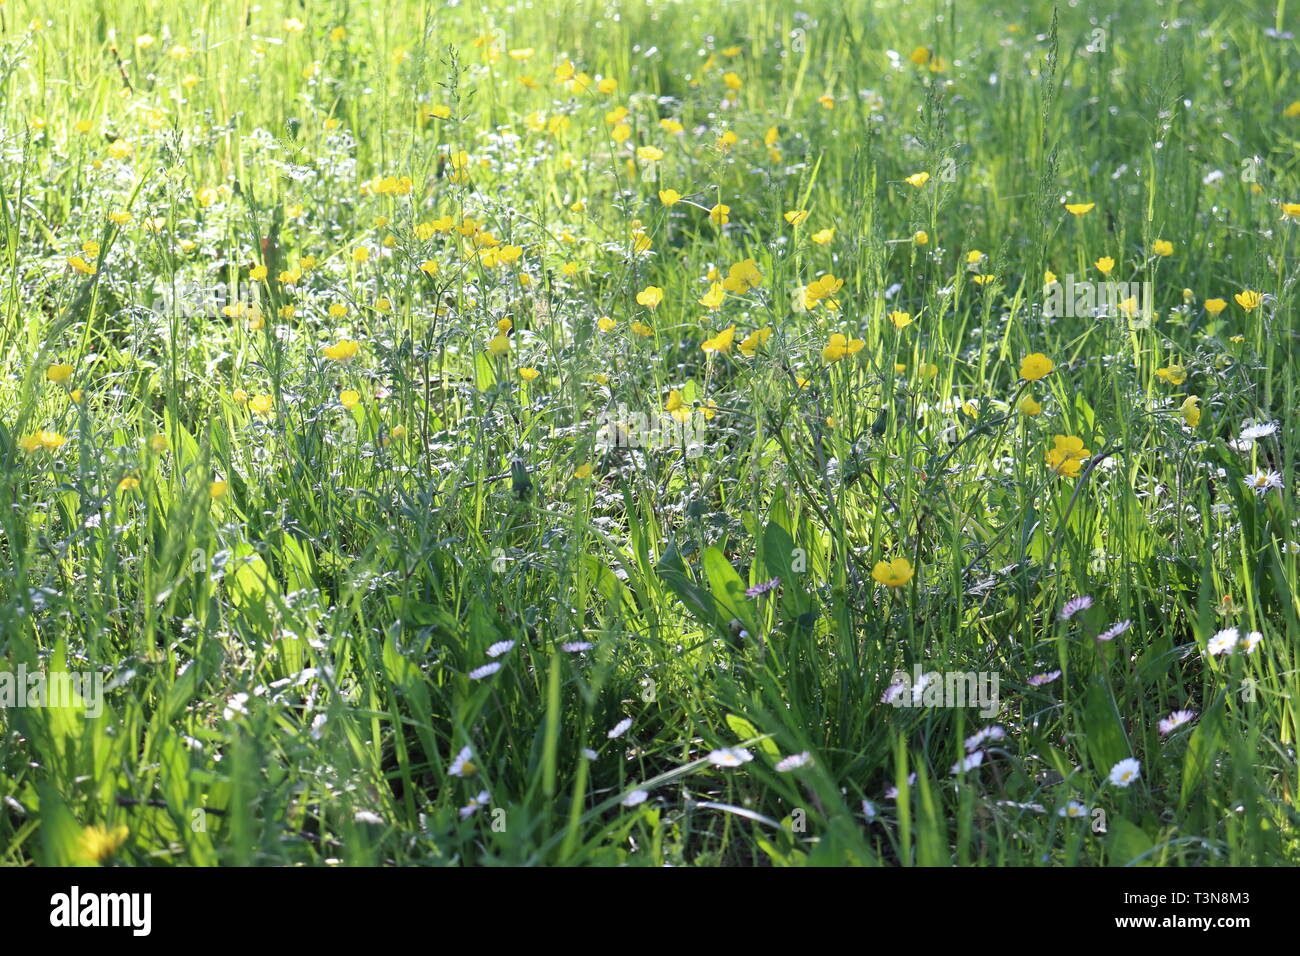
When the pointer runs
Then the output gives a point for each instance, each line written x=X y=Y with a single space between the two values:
x=1028 y=406
x=217 y=489
x=918 y=179
x=893 y=574
x=720 y=214
x=344 y=351
x=1162 y=247
x=1079 y=208
x=1191 y=410
x=1215 y=306
x=754 y=341
x=1035 y=366
x=796 y=216
x=650 y=296
x=261 y=404
x=722 y=341
x=349 y=398
x=58 y=373
x=669 y=197
x=839 y=346
x=1173 y=374
x=900 y=319
x=1248 y=300
x=1104 y=265
x=527 y=373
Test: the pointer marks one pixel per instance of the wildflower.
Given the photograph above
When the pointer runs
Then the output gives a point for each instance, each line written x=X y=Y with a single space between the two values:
x=344 y=351
x=1175 y=720
x=900 y=319
x=920 y=237
x=1223 y=642
x=1173 y=374
x=635 y=798
x=1250 y=642
x=759 y=589
x=893 y=574
x=823 y=236
x=1262 y=482
x=754 y=341
x=463 y=765
x=796 y=216
x=1039 y=680
x=969 y=762
x=217 y=489
x=1114 y=631
x=58 y=373
x=918 y=179
x=1075 y=605
x=129 y=483
x=1125 y=772
x=1190 y=409
x=1073 y=810
x=349 y=398
x=720 y=214
x=576 y=647
x=839 y=346
x=669 y=197
x=619 y=729
x=1248 y=300
x=1079 y=208
x=99 y=843
x=499 y=345
x=528 y=374
x=650 y=296
x=994 y=733
x=722 y=341
x=261 y=404
x=1162 y=247
x=487 y=670
x=1104 y=265
x=1215 y=306
x=794 y=762
x=474 y=804
x=1035 y=366
x=1066 y=456
x=499 y=648
x=730 y=757
x=1028 y=406
x=49 y=440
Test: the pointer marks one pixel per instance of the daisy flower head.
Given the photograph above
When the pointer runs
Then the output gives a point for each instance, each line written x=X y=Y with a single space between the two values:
x=1114 y=631
x=474 y=804
x=1250 y=642
x=635 y=798
x=1125 y=772
x=1075 y=605
x=1223 y=642
x=1038 y=680
x=1175 y=720
x=794 y=762
x=620 y=728
x=729 y=757
x=487 y=670
x=1262 y=482
x=499 y=648
x=463 y=765
x=969 y=762
x=1074 y=810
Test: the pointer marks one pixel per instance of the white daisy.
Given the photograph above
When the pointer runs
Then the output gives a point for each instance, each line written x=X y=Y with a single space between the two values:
x=969 y=762
x=620 y=728
x=1252 y=431
x=487 y=670
x=1038 y=680
x=499 y=648
x=1175 y=720
x=794 y=762
x=1222 y=642
x=868 y=809
x=634 y=798
x=988 y=733
x=1251 y=641
x=1114 y=631
x=730 y=757
x=1074 y=809
x=1125 y=772
x=463 y=765
x=1262 y=482
x=576 y=647
x=472 y=807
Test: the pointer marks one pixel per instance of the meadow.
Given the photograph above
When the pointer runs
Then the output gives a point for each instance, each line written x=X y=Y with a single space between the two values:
x=649 y=433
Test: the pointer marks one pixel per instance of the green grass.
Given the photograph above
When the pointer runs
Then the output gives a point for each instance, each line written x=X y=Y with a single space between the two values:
x=288 y=664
